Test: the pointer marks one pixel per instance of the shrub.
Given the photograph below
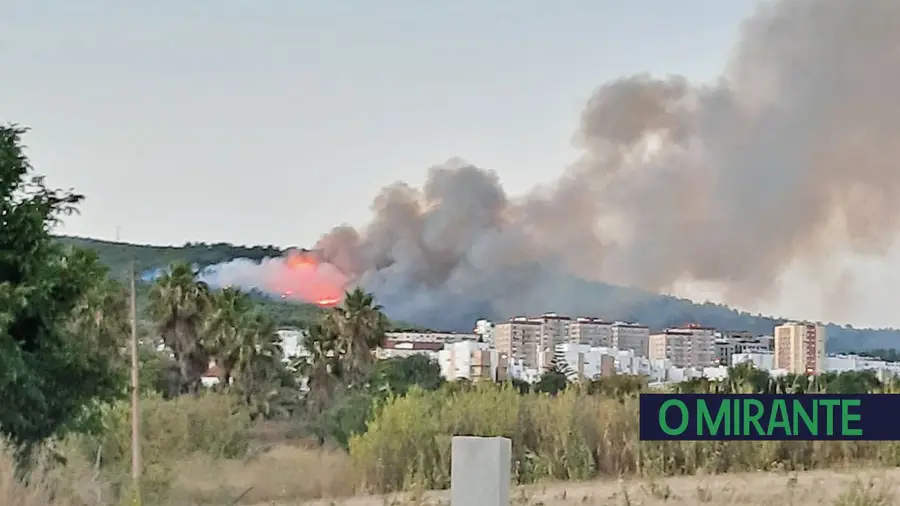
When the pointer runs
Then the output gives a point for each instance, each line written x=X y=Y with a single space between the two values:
x=570 y=436
x=172 y=431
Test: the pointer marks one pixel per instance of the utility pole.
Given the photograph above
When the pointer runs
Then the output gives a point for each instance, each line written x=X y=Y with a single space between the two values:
x=135 y=398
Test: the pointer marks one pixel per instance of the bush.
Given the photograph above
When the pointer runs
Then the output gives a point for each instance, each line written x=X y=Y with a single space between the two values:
x=172 y=431
x=570 y=436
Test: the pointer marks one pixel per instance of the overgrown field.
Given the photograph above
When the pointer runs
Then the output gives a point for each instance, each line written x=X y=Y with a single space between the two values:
x=203 y=451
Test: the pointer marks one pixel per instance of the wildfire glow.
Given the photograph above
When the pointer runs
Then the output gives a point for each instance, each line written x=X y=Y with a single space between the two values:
x=299 y=261
x=328 y=302
x=310 y=280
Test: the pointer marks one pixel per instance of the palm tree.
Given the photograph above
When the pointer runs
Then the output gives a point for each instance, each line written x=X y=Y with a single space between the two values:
x=178 y=305
x=102 y=316
x=223 y=328
x=793 y=384
x=322 y=367
x=255 y=351
x=746 y=379
x=359 y=326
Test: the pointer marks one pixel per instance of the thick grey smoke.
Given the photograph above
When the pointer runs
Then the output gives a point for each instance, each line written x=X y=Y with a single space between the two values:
x=791 y=153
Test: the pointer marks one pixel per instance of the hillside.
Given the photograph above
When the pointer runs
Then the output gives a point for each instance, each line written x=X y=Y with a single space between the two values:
x=117 y=256
x=657 y=311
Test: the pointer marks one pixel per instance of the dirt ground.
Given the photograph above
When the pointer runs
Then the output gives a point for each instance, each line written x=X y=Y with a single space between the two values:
x=861 y=487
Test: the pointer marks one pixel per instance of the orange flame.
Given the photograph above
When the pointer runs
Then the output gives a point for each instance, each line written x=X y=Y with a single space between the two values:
x=299 y=261
x=328 y=301
x=308 y=281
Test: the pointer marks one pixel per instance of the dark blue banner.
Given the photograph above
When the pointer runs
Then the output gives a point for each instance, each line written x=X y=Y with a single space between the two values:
x=809 y=417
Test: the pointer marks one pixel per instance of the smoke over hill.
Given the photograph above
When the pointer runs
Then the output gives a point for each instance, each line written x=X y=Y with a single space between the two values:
x=789 y=154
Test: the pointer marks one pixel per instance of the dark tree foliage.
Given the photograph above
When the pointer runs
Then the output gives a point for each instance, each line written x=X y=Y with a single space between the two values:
x=552 y=382
x=398 y=375
x=48 y=375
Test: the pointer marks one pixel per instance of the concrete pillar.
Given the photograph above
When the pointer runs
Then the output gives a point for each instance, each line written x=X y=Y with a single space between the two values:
x=480 y=471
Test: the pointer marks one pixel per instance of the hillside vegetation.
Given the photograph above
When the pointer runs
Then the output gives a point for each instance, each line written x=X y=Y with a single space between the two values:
x=117 y=255
x=613 y=302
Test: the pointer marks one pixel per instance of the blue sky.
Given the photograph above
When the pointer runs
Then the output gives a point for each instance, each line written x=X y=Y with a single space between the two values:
x=289 y=116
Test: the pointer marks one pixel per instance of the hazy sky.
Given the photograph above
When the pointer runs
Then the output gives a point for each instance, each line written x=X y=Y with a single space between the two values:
x=272 y=121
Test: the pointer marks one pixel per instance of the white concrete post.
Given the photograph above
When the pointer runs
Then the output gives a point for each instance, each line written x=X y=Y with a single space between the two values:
x=480 y=471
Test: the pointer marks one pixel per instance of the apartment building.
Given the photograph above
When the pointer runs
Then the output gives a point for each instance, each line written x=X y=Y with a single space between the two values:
x=590 y=331
x=689 y=346
x=392 y=348
x=484 y=329
x=736 y=343
x=430 y=337
x=800 y=348
x=554 y=330
x=473 y=361
x=532 y=339
x=630 y=336
x=518 y=339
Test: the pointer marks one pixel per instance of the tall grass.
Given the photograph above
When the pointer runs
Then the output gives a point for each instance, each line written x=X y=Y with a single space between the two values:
x=173 y=432
x=49 y=484
x=571 y=436
x=199 y=450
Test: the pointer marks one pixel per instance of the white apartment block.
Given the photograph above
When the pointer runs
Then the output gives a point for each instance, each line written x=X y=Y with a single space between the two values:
x=431 y=337
x=690 y=346
x=473 y=361
x=518 y=340
x=484 y=329
x=764 y=360
x=734 y=343
x=590 y=362
x=554 y=330
x=392 y=348
x=800 y=348
x=630 y=336
x=590 y=331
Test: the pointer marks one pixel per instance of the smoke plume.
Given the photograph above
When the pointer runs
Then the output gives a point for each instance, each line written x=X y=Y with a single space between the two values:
x=787 y=156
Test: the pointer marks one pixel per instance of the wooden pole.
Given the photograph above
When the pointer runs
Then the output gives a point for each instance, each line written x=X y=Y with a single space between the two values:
x=135 y=398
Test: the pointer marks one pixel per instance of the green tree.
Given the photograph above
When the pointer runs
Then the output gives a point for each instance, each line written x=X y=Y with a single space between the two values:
x=559 y=365
x=848 y=382
x=699 y=386
x=225 y=329
x=60 y=348
x=618 y=386
x=359 y=326
x=259 y=371
x=747 y=379
x=320 y=367
x=551 y=382
x=179 y=305
x=395 y=376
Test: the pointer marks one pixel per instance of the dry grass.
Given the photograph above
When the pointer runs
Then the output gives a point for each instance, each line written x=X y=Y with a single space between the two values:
x=199 y=452
x=294 y=475
x=284 y=472
x=46 y=485
x=823 y=488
